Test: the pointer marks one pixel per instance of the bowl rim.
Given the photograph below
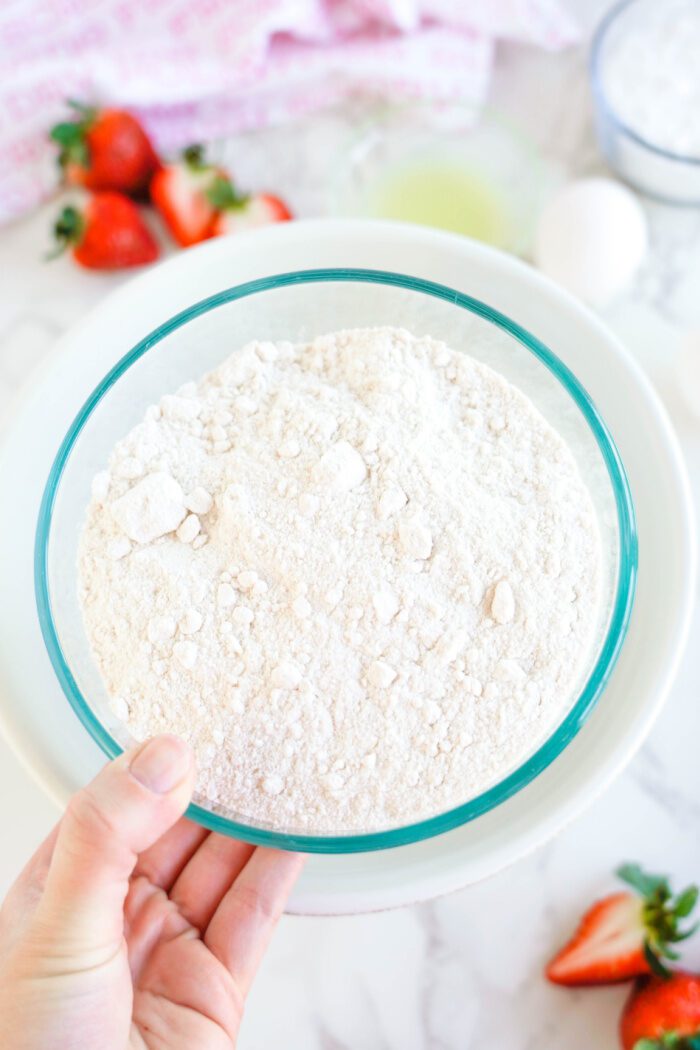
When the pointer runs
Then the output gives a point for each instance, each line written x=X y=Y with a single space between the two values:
x=601 y=97
x=564 y=732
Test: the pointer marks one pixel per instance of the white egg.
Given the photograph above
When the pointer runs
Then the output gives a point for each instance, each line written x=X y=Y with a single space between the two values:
x=591 y=238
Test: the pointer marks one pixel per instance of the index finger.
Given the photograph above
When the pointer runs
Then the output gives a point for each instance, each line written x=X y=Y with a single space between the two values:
x=243 y=923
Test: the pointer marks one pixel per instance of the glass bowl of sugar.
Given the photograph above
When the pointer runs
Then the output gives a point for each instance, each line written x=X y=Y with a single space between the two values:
x=378 y=576
x=645 y=78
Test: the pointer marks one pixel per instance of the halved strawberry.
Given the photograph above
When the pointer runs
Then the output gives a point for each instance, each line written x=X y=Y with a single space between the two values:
x=236 y=212
x=107 y=235
x=180 y=192
x=626 y=934
x=663 y=1013
x=105 y=150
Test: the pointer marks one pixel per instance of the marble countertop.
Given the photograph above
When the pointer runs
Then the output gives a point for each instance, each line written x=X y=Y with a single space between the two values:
x=463 y=971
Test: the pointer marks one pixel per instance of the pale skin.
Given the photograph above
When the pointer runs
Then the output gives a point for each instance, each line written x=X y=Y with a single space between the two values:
x=132 y=928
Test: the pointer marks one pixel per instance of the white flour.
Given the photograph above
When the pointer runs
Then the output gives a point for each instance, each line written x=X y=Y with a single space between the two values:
x=360 y=576
x=652 y=76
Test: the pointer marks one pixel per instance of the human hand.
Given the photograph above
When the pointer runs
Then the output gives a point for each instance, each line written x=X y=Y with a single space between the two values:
x=133 y=928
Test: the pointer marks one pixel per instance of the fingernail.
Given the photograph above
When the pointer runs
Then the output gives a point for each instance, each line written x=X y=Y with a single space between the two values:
x=162 y=764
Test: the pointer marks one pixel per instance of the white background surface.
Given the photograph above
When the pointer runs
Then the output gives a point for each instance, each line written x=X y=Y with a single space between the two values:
x=463 y=971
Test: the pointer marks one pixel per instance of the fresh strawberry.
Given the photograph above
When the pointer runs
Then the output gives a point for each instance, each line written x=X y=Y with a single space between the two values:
x=107 y=235
x=237 y=212
x=198 y=200
x=625 y=935
x=105 y=150
x=662 y=1012
x=180 y=192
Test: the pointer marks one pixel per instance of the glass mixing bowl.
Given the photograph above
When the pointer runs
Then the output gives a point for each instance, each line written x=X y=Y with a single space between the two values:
x=485 y=180
x=299 y=306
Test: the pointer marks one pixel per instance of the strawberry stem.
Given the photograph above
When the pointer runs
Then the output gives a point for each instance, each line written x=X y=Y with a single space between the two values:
x=68 y=229
x=193 y=156
x=670 y=1041
x=87 y=113
x=70 y=136
x=661 y=915
x=224 y=196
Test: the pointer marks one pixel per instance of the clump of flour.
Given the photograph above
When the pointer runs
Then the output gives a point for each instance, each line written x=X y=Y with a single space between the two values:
x=359 y=575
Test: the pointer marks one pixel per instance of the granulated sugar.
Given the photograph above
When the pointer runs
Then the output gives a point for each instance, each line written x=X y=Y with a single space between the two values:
x=360 y=576
x=652 y=75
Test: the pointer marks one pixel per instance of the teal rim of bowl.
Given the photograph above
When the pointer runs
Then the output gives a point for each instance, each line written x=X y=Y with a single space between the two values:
x=568 y=728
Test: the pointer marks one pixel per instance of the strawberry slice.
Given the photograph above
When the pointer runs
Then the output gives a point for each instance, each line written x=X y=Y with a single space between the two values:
x=108 y=234
x=105 y=149
x=626 y=934
x=607 y=946
x=663 y=1014
x=238 y=212
x=180 y=192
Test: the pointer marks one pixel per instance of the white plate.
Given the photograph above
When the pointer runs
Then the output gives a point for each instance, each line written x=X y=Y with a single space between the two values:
x=37 y=719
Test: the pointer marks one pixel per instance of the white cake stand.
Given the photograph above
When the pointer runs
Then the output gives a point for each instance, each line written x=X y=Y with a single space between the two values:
x=40 y=725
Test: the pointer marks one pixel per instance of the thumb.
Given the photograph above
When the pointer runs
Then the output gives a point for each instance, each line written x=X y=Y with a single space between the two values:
x=126 y=808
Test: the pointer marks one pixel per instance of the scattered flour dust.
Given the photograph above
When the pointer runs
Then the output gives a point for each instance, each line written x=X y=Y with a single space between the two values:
x=359 y=575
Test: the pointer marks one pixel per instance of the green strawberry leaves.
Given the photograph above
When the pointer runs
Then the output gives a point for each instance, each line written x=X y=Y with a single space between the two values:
x=193 y=157
x=661 y=913
x=670 y=1041
x=641 y=881
x=73 y=148
x=654 y=962
x=68 y=229
x=222 y=194
x=70 y=136
x=686 y=901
